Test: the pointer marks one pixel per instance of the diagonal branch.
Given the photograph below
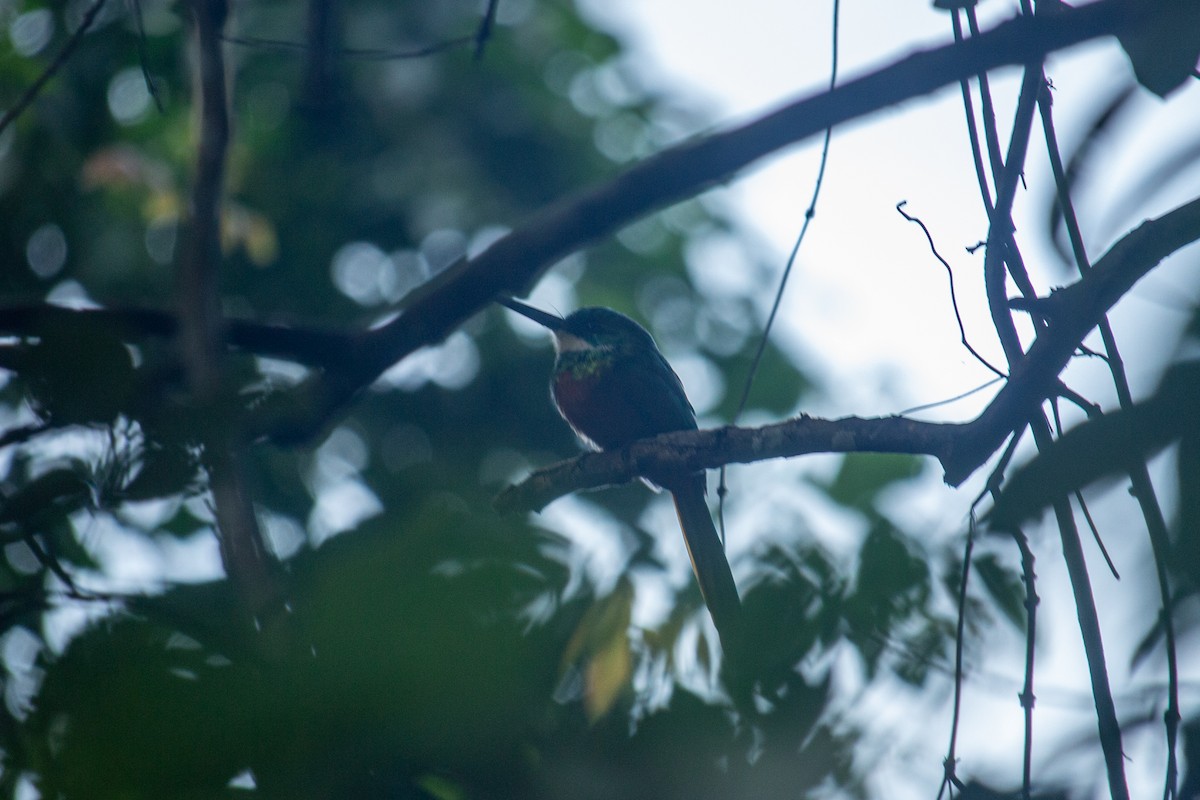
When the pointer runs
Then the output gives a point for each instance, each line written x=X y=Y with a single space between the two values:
x=64 y=55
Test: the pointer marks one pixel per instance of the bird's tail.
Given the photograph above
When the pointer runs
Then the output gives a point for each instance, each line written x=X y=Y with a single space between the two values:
x=708 y=559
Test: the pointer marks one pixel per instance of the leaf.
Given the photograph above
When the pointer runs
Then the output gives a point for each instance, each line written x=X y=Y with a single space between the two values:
x=1186 y=556
x=608 y=675
x=166 y=469
x=184 y=523
x=79 y=376
x=601 y=643
x=1101 y=447
x=892 y=587
x=1004 y=586
x=864 y=475
x=45 y=499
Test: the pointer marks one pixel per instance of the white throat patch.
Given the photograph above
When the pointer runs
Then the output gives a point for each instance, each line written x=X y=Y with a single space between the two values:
x=566 y=342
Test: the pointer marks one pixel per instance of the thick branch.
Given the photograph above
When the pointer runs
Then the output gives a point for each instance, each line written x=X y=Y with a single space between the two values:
x=200 y=328
x=304 y=345
x=706 y=449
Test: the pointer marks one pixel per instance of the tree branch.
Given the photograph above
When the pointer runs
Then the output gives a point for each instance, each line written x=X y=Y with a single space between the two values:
x=706 y=449
x=302 y=344
x=201 y=330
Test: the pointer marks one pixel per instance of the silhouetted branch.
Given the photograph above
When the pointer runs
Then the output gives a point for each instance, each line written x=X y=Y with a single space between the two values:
x=201 y=327
x=198 y=299
x=486 y=25
x=301 y=344
x=962 y=331
x=707 y=449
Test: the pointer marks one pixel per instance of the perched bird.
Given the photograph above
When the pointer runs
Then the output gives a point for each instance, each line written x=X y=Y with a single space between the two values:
x=613 y=387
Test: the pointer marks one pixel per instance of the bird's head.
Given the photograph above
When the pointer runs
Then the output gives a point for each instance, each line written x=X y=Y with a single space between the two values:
x=592 y=328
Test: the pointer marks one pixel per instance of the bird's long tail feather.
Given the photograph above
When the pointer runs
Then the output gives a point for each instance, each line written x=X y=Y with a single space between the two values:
x=708 y=559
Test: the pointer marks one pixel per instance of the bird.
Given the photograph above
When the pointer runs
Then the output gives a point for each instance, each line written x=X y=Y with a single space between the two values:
x=613 y=386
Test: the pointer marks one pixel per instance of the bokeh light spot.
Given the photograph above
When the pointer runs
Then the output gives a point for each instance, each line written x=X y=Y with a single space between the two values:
x=364 y=273
x=128 y=98
x=31 y=31
x=46 y=251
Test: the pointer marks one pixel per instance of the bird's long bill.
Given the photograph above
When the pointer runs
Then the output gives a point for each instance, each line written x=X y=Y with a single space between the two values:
x=536 y=314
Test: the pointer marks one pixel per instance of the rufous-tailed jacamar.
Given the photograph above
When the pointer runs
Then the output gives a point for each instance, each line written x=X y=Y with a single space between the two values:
x=613 y=386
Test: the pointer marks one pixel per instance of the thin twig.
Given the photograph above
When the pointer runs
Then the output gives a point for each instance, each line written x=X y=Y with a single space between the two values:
x=68 y=48
x=959 y=635
x=1083 y=506
x=1075 y=398
x=362 y=54
x=809 y=213
x=1027 y=697
x=962 y=331
x=1089 y=626
x=50 y=562
x=989 y=111
x=992 y=487
x=144 y=58
x=1087 y=515
x=949 y=400
x=484 y=34
x=808 y=217
x=985 y=191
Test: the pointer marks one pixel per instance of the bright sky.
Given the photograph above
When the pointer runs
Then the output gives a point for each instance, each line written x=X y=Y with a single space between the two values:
x=868 y=306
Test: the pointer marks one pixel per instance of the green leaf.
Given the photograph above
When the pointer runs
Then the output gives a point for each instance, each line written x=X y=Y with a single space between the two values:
x=1185 y=559
x=166 y=469
x=1004 y=586
x=1102 y=447
x=80 y=375
x=46 y=499
x=183 y=523
x=863 y=476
